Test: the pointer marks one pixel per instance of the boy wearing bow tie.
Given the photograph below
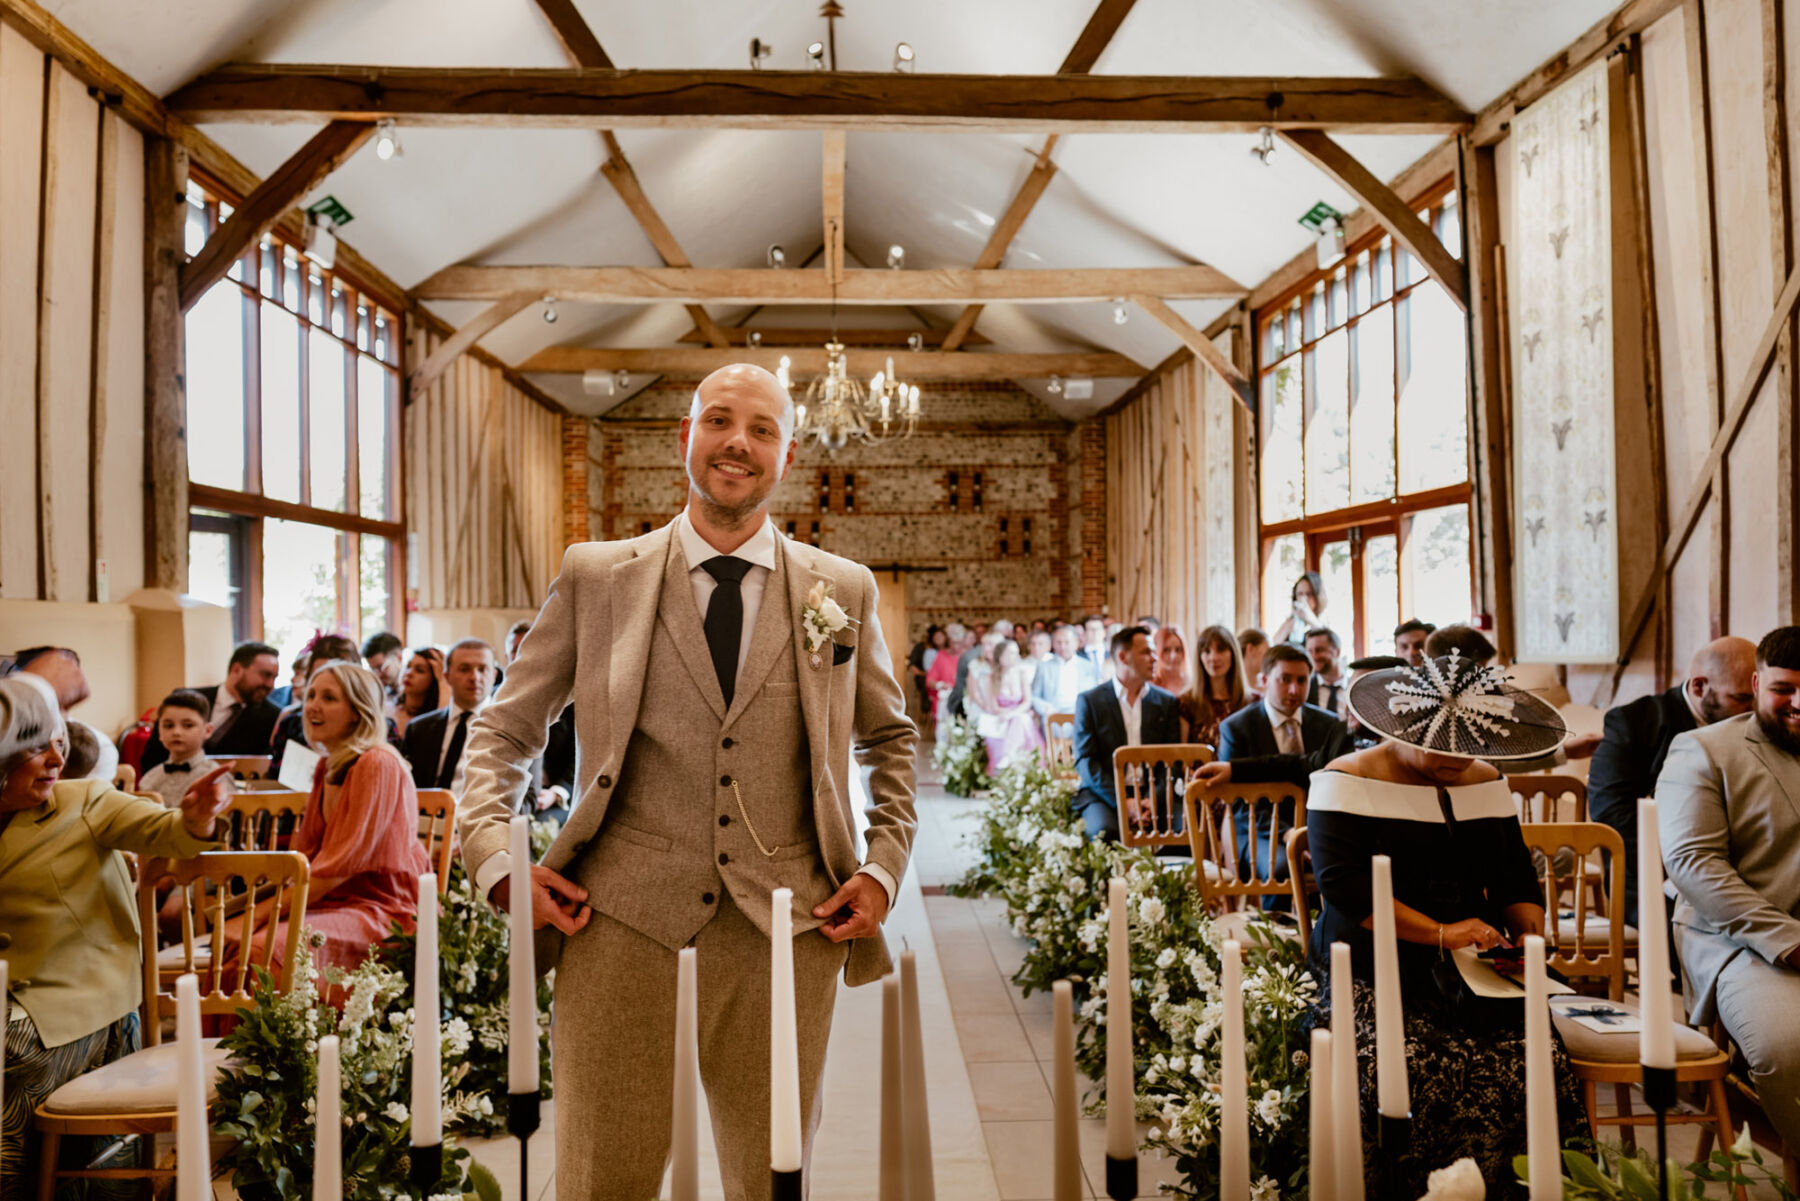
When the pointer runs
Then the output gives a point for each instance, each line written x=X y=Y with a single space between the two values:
x=181 y=724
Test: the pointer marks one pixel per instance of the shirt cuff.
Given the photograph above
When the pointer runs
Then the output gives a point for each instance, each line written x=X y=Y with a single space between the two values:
x=494 y=868
x=883 y=877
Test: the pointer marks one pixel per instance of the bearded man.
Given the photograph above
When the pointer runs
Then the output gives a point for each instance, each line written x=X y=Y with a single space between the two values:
x=721 y=676
x=1728 y=810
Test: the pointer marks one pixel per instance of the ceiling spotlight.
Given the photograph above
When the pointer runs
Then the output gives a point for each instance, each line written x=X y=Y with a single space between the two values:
x=1265 y=148
x=815 y=55
x=621 y=380
x=777 y=257
x=1055 y=386
x=1121 y=314
x=903 y=57
x=387 y=140
x=549 y=310
x=896 y=256
x=759 y=50
x=915 y=341
x=755 y=339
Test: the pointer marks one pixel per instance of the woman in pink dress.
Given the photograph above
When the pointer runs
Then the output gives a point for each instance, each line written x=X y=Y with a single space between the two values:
x=1008 y=723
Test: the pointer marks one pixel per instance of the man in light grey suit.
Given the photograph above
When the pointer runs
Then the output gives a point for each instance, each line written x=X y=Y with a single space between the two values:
x=1062 y=677
x=715 y=758
x=1728 y=810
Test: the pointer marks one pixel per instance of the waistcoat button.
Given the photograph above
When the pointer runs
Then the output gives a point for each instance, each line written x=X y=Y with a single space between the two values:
x=724 y=819
x=726 y=744
x=605 y=781
x=724 y=858
x=724 y=781
x=706 y=898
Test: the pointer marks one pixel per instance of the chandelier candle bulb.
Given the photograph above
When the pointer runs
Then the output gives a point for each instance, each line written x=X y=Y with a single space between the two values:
x=1346 y=1101
x=1656 y=1042
x=522 y=1015
x=328 y=1126
x=1066 y=1175
x=193 y=1153
x=784 y=1051
x=1541 y=1144
x=893 y=1117
x=1234 y=1089
x=1391 y=1090
x=684 y=1126
x=921 y=1185
x=1321 y=1168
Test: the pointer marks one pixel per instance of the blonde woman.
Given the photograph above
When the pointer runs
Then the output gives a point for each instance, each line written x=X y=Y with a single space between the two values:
x=1218 y=690
x=361 y=827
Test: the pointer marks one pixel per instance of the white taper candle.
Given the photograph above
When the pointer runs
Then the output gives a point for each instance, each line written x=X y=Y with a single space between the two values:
x=1234 y=1087
x=1391 y=1092
x=1065 y=1171
x=893 y=1110
x=684 y=1127
x=1545 y=1169
x=521 y=979
x=1121 y=1086
x=1656 y=1039
x=1346 y=1092
x=921 y=1180
x=1321 y=1165
x=193 y=1154
x=427 y=1079
x=328 y=1125
x=784 y=1049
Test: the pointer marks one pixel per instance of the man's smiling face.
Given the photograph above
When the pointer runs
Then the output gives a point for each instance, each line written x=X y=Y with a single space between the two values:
x=737 y=441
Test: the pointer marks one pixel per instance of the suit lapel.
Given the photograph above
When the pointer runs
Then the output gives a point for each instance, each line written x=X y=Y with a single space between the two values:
x=632 y=599
x=1781 y=766
x=775 y=622
x=815 y=682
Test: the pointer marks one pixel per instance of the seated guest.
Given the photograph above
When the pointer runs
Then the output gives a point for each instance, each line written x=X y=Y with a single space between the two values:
x=982 y=649
x=291 y=692
x=1462 y=877
x=360 y=831
x=515 y=638
x=1037 y=650
x=1169 y=645
x=1218 y=689
x=1330 y=684
x=326 y=648
x=67 y=904
x=181 y=726
x=384 y=655
x=90 y=754
x=1127 y=710
x=1004 y=694
x=1409 y=640
x=940 y=678
x=555 y=782
x=1725 y=806
x=1283 y=724
x=243 y=720
x=1065 y=675
x=423 y=689
x=1253 y=643
x=1094 y=647
x=1637 y=735
x=434 y=743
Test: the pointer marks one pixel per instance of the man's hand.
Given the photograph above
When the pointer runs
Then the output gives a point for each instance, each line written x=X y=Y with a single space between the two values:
x=65 y=677
x=551 y=797
x=1581 y=746
x=855 y=910
x=555 y=901
x=204 y=800
x=1211 y=774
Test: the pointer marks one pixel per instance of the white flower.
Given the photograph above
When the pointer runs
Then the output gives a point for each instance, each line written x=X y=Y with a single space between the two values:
x=395 y=1111
x=457 y=1037
x=1166 y=959
x=485 y=1107
x=1269 y=1108
x=1151 y=911
x=1461 y=1181
x=1265 y=1189
x=834 y=615
x=1178 y=1063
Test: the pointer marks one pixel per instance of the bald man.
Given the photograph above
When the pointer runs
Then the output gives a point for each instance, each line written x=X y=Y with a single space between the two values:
x=715 y=725
x=1637 y=737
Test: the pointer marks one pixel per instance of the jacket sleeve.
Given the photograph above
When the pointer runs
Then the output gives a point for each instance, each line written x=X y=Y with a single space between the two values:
x=1230 y=746
x=1696 y=846
x=1042 y=699
x=1274 y=769
x=120 y=821
x=885 y=739
x=1087 y=747
x=1617 y=777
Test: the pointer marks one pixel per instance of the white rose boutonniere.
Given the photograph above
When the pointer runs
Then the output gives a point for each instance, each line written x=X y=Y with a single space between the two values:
x=820 y=618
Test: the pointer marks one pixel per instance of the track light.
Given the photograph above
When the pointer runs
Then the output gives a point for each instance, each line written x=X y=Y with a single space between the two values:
x=549 y=310
x=1121 y=314
x=1265 y=149
x=1055 y=385
x=755 y=339
x=777 y=257
x=915 y=341
x=903 y=57
x=815 y=55
x=387 y=140
x=896 y=256
x=759 y=50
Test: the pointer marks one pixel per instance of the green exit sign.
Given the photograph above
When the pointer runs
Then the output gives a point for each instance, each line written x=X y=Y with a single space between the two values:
x=1317 y=215
x=331 y=211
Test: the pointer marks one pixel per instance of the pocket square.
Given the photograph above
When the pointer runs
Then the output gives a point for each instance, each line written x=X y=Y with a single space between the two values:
x=841 y=654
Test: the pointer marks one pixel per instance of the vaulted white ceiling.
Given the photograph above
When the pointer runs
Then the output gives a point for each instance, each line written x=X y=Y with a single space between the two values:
x=1118 y=200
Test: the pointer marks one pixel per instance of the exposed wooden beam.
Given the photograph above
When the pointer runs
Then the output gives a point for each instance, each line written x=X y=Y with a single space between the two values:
x=618 y=172
x=1203 y=349
x=1787 y=387
x=908 y=364
x=1005 y=230
x=274 y=93
x=638 y=285
x=165 y=380
x=323 y=153
x=469 y=333
x=1394 y=214
x=573 y=32
x=421 y=320
x=1095 y=36
x=833 y=191
x=775 y=335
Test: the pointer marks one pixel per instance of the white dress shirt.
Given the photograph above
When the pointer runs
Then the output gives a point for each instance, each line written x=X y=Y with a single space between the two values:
x=1068 y=683
x=1134 y=714
x=1288 y=739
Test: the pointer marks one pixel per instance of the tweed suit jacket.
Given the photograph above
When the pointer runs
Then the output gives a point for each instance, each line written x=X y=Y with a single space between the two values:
x=1728 y=810
x=590 y=645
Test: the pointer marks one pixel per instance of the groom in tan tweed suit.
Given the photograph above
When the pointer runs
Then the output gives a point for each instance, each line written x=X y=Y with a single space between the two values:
x=714 y=761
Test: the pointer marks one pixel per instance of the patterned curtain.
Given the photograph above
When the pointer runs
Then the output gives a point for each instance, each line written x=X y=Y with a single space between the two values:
x=1217 y=458
x=1559 y=255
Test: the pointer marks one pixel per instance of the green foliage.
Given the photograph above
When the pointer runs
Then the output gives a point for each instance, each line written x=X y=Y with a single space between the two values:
x=1036 y=858
x=963 y=760
x=1619 y=1176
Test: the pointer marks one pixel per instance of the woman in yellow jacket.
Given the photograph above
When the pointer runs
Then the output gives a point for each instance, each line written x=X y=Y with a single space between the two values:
x=68 y=917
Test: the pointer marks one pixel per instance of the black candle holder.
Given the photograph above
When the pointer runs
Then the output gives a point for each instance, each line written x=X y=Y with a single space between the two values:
x=524 y=1113
x=1393 y=1135
x=1659 y=1095
x=1121 y=1178
x=427 y=1168
x=785 y=1185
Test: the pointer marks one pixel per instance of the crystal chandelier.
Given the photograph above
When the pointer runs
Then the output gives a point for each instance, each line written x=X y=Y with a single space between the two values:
x=837 y=407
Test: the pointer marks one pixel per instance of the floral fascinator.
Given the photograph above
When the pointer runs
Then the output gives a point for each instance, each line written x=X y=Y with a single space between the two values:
x=1451 y=706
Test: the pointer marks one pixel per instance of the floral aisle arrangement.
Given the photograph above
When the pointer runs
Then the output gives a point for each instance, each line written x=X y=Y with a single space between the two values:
x=268 y=1094
x=1036 y=858
x=963 y=759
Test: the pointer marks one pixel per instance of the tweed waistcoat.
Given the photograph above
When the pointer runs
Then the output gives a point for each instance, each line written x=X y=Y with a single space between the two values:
x=697 y=779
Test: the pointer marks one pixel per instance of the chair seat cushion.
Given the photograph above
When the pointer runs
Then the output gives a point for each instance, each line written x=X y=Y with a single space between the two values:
x=175 y=957
x=1593 y=933
x=142 y=1082
x=1595 y=1047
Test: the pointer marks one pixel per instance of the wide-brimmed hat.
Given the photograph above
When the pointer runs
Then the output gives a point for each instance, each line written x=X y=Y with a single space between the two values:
x=28 y=716
x=1452 y=706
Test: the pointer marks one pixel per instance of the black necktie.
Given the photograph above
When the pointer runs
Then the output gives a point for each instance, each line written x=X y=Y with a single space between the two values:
x=725 y=618
x=1331 y=701
x=448 y=772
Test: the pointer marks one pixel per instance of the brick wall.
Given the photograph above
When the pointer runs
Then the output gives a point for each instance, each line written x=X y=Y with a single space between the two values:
x=1091 y=460
x=575 y=480
x=1003 y=457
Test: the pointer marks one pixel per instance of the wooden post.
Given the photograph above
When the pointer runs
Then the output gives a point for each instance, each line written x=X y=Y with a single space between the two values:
x=1693 y=15
x=1787 y=387
x=106 y=183
x=1489 y=448
x=165 y=382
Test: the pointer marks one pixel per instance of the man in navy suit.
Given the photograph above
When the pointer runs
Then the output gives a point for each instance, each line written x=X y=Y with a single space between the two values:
x=1127 y=710
x=1281 y=724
